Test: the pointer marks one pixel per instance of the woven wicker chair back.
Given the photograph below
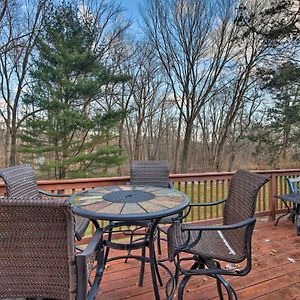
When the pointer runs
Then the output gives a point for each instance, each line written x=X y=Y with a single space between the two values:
x=240 y=205
x=149 y=172
x=20 y=181
x=36 y=249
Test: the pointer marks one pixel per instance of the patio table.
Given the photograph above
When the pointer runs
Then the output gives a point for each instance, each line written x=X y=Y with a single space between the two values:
x=129 y=205
x=294 y=211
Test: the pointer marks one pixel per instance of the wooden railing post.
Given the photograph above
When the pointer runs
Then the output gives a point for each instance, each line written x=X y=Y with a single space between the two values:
x=272 y=192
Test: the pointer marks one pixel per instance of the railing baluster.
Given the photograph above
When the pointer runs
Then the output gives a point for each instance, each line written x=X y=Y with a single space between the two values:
x=193 y=200
x=217 y=197
x=199 y=200
x=211 y=198
x=205 y=199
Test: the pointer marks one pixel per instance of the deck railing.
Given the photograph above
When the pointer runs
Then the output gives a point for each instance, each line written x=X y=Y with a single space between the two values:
x=200 y=187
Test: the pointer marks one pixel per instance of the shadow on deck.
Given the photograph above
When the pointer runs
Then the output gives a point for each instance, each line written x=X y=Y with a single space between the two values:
x=275 y=273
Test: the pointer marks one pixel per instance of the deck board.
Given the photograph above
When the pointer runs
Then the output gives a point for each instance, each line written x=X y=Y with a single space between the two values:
x=275 y=273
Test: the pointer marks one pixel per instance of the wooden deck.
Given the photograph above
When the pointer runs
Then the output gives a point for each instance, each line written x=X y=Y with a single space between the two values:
x=275 y=273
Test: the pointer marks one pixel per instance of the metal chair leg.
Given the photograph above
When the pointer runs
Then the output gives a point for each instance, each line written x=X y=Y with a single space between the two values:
x=157 y=271
x=285 y=214
x=229 y=289
x=107 y=248
x=142 y=269
x=297 y=219
x=158 y=241
x=182 y=285
x=219 y=287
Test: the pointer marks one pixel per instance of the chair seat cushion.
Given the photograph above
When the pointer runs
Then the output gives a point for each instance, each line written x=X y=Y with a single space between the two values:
x=212 y=244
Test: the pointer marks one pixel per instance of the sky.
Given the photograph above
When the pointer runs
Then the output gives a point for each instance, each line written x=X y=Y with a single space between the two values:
x=132 y=11
x=132 y=8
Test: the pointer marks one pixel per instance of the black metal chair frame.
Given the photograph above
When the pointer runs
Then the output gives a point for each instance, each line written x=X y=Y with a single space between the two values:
x=293 y=211
x=215 y=270
x=209 y=266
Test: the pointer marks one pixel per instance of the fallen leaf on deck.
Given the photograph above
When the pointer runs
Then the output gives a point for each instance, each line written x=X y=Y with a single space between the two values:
x=273 y=252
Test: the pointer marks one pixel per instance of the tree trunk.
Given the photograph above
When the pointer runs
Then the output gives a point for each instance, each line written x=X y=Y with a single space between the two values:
x=120 y=143
x=13 y=148
x=231 y=159
x=138 y=141
x=7 y=147
x=177 y=144
x=186 y=146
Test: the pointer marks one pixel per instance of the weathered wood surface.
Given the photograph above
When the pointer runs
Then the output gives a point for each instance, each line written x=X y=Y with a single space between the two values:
x=160 y=199
x=275 y=273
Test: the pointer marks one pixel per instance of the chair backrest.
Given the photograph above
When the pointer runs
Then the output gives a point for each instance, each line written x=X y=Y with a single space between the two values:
x=20 y=181
x=294 y=185
x=241 y=201
x=149 y=172
x=240 y=205
x=37 y=249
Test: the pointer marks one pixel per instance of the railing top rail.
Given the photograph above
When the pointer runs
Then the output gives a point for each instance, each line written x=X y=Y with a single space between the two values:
x=175 y=177
x=85 y=180
x=217 y=174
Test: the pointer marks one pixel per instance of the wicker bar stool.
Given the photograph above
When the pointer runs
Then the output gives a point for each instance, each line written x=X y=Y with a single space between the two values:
x=37 y=252
x=211 y=245
x=152 y=173
x=20 y=181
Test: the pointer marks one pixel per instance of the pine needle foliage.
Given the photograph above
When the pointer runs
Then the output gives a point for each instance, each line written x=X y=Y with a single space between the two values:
x=69 y=133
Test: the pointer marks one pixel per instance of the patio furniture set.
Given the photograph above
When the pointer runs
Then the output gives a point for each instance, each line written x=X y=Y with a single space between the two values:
x=38 y=253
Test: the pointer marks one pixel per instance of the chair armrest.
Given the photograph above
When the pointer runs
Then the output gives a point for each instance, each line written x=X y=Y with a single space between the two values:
x=189 y=227
x=191 y=241
x=53 y=195
x=84 y=266
x=81 y=228
x=92 y=245
x=191 y=205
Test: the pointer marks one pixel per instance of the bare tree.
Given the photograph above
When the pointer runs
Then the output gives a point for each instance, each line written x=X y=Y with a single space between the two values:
x=193 y=40
x=234 y=100
x=21 y=26
x=147 y=103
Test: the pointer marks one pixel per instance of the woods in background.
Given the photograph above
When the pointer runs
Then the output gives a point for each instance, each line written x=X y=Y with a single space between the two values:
x=209 y=85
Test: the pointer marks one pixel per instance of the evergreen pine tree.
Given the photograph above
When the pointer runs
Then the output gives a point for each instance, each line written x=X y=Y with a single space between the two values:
x=69 y=130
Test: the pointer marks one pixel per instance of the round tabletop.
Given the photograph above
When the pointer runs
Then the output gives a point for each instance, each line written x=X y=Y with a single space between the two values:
x=118 y=203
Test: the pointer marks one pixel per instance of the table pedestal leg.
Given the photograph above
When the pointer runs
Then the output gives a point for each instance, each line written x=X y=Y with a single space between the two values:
x=153 y=263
